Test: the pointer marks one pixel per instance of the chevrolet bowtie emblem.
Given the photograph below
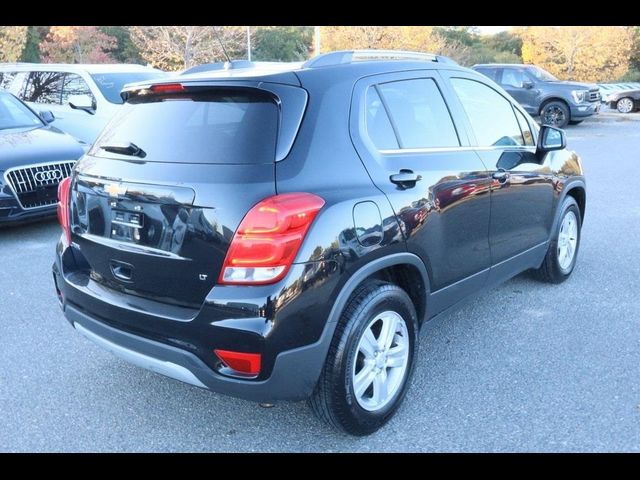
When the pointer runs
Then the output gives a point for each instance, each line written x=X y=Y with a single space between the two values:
x=115 y=189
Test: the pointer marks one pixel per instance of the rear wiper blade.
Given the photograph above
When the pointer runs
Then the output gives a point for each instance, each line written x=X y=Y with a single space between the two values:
x=129 y=148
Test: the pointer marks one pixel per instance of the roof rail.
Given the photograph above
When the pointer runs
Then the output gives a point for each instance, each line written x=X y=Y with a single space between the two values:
x=351 y=56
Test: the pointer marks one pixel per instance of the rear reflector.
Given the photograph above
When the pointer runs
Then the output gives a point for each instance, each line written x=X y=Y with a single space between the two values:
x=245 y=363
x=268 y=239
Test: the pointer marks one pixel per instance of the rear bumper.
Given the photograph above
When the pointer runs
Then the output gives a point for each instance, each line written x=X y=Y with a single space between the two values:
x=286 y=323
x=292 y=378
x=583 y=110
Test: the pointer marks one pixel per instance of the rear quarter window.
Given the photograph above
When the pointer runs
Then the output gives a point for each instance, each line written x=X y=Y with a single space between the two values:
x=218 y=126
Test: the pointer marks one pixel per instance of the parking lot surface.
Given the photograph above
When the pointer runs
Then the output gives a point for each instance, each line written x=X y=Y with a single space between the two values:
x=525 y=367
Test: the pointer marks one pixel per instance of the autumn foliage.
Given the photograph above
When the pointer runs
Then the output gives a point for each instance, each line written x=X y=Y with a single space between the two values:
x=594 y=54
x=77 y=44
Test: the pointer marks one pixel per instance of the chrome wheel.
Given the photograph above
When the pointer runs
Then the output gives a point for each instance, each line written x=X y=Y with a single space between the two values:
x=555 y=116
x=567 y=240
x=625 y=105
x=382 y=357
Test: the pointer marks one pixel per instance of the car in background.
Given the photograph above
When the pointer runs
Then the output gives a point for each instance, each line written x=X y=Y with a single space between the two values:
x=608 y=89
x=83 y=98
x=34 y=158
x=557 y=102
x=625 y=101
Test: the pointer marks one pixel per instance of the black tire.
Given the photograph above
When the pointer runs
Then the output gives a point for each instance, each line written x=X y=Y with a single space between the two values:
x=551 y=271
x=333 y=399
x=575 y=122
x=555 y=113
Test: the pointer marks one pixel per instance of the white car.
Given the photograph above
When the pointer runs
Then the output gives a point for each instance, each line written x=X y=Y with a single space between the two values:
x=83 y=98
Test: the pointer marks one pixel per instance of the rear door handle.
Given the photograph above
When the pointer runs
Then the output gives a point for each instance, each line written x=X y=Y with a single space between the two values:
x=501 y=175
x=405 y=178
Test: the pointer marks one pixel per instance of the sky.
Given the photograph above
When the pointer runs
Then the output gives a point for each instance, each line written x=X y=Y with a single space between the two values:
x=491 y=30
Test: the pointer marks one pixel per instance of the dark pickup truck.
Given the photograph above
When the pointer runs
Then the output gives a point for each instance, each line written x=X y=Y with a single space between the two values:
x=557 y=102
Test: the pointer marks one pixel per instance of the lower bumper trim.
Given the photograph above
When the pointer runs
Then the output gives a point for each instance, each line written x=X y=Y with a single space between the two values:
x=168 y=369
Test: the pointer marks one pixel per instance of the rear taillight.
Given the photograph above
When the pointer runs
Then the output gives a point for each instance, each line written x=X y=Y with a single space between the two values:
x=268 y=239
x=64 y=190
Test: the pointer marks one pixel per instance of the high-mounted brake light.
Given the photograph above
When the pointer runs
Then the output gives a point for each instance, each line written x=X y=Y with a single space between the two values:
x=245 y=363
x=167 y=88
x=268 y=239
x=64 y=191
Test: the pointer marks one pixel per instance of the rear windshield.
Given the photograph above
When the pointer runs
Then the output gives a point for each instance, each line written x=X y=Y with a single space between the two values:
x=216 y=126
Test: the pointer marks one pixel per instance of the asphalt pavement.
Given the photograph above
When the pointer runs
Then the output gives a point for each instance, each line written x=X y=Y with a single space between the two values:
x=525 y=367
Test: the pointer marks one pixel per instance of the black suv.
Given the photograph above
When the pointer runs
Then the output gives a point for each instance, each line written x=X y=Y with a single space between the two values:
x=281 y=234
x=540 y=93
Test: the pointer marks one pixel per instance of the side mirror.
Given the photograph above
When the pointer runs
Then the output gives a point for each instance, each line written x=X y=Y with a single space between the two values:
x=82 y=102
x=527 y=84
x=47 y=116
x=551 y=138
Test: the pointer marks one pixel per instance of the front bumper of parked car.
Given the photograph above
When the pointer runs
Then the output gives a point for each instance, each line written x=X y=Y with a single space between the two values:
x=585 y=109
x=12 y=212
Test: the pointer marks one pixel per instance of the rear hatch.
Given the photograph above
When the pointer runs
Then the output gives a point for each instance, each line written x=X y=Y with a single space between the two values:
x=157 y=200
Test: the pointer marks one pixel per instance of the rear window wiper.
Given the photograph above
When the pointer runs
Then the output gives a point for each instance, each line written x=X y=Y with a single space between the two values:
x=125 y=148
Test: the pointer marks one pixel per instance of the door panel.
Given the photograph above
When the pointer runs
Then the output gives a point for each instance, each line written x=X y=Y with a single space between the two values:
x=522 y=184
x=445 y=213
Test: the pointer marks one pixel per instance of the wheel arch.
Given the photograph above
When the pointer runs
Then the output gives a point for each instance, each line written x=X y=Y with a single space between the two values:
x=577 y=190
x=379 y=268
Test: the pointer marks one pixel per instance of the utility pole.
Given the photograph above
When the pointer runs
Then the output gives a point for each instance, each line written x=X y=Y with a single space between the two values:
x=249 y=43
x=317 y=41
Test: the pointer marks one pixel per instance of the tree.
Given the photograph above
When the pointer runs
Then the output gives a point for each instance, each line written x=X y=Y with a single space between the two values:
x=285 y=44
x=504 y=42
x=363 y=37
x=35 y=35
x=179 y=47
x=77 y=45
x=12 y=42
x=125 y=50
x=593 y=54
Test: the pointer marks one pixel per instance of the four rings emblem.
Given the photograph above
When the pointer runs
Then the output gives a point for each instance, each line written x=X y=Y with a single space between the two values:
x=48 y=175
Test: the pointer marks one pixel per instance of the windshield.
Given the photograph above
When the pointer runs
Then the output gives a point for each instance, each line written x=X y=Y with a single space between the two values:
x=541 y=74
x=223 y=126
x=110 y=84
x=14 y=114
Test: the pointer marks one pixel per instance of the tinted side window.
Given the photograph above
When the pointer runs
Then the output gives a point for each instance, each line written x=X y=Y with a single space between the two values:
x=15 y=83
x=75 y=85
x=487 y=72
x=490 y=114
x=512 y=78
x=378 y=125
x=526 y=129
x=419 y=114
x=6 y=78
x=44 y=87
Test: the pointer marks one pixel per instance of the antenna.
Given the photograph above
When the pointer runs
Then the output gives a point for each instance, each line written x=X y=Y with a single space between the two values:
x=224 y=50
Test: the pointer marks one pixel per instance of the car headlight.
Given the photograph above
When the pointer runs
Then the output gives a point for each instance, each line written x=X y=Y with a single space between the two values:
x=579 y=95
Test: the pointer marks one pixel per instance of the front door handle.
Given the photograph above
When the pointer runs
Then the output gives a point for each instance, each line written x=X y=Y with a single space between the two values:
x=501 y=175
x=405 y=178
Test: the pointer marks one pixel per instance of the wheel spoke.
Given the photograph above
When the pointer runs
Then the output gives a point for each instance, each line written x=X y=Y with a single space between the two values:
x=363 y=379
x=380 y=387
x=387 y=332
x=369 y=344
x=396 y=356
